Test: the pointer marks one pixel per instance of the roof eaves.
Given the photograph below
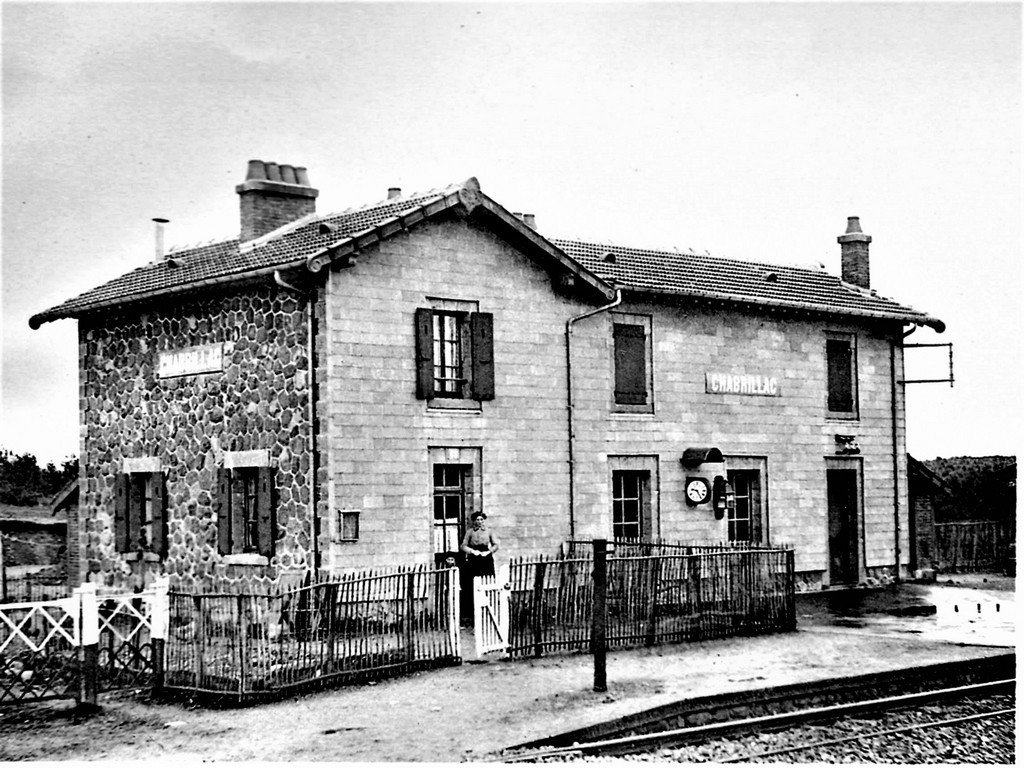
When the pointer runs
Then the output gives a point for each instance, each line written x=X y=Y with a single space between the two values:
x=57 y=313
x=907 y=317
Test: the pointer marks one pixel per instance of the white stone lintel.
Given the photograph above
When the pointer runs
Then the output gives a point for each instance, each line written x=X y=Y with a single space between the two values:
x=142 y=464
x=236 y=459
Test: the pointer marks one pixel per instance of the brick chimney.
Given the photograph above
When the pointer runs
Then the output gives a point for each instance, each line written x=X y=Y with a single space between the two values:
x=273 y=195
x=854 y=246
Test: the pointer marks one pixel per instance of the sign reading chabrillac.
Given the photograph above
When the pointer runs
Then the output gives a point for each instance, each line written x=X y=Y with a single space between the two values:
x=741 y=384
x=205 y=358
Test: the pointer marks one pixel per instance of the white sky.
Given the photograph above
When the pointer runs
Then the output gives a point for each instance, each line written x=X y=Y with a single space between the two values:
x=748 y=130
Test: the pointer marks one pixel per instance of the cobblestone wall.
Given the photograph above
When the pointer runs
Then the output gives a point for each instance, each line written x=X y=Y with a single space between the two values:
x=259 y=401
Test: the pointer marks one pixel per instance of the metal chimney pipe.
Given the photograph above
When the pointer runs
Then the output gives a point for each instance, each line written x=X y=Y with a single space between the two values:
x=394 y=192
x=160 y=238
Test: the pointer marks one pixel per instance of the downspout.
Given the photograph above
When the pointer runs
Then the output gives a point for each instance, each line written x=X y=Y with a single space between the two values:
x=310 y=300
x=569 y=403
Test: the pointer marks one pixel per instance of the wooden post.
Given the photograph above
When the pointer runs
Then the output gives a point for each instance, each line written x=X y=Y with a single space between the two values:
x=159 y=616
x=242 y=614
x=599 y=627
x=654 y=568
x=198 y=638
x=538 y=606
x=3 y=571
x=410 y=613
x=90 y=640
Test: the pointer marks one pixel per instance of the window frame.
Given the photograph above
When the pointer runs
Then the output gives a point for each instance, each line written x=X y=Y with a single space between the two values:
x=140 y=513
x=474 y=346
x=833 y=374
x=641 y=498
x=646 y=323
x=753 y=503
x=246 y=512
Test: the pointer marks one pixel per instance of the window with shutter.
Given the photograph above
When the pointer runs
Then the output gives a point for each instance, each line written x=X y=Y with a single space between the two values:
x=454 y=353
x=841 y=360
x=140 y=512
x=245 y=508
x=632 y=365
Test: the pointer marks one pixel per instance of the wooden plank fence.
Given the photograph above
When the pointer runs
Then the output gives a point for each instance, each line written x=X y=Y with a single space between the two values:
x=974 y=545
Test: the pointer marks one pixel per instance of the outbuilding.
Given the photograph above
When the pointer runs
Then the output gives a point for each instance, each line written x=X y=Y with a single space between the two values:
x=338 y=392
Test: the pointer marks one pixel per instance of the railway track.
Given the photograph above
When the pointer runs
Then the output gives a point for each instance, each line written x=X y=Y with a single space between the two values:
x=706 y=719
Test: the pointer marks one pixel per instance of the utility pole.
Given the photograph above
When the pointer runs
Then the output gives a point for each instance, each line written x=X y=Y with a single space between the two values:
x=599 y=627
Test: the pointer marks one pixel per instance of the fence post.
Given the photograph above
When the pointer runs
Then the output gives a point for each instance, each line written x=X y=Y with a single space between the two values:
x=198 y=639
x=599 y=627
x=159 y=618
x=538 y=600
x=410 y=613
x=90 y=639
x=242 y=614
x=654 y=566
x=790 y=591
x=454 y=592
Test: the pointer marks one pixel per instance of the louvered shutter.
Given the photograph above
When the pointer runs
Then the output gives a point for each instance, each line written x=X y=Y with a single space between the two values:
x=222 y=510
x=424 y=354
x=121 y=512
x=482 y=334
x=159 y=523
x=630 y=364
x=136 y=502
x=266 y=524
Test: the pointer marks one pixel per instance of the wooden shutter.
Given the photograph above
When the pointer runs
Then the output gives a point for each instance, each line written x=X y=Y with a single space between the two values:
x=222 y=510
x=840 y=379
x=481 y=327
x=121 y=512
x=136 y=502
x=159 y=523
x=630 y=364
x=424 y=353
x=266 y=523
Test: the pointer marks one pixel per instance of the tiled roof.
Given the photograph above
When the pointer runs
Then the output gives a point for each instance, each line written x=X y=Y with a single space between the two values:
x=216 y=262
x=710 y=277
x=637 y=269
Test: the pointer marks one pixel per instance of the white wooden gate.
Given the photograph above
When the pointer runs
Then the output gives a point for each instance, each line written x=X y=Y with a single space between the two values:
x=490 y=603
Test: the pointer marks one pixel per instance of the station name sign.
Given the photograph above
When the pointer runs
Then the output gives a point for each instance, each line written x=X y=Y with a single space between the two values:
x=742 y=384
x=205 y=358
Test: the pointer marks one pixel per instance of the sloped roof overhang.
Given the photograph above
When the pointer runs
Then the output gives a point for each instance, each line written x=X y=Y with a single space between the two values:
x=464 y=200
x=796 y=307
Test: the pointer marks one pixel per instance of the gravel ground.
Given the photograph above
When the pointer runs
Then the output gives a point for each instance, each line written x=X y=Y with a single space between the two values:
x=989 y=741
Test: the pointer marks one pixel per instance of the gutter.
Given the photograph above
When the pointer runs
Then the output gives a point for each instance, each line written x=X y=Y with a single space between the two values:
x=314 y=464
x=569 y=407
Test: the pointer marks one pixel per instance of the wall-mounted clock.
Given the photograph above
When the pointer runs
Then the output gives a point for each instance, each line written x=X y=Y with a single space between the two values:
x=698 y=490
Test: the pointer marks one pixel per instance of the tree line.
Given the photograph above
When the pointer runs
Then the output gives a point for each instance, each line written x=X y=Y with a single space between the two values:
x=24 y=483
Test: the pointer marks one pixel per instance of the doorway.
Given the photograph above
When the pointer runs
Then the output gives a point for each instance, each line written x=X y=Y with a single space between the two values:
x=843 y=528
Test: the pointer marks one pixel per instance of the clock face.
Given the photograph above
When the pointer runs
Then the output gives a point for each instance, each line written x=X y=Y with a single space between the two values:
x=697 y=490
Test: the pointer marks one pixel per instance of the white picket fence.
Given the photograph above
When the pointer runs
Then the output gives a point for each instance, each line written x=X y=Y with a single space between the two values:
x=71 y=647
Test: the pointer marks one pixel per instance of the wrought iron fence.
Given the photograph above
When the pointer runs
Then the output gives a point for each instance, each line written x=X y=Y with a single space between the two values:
x=687 y=593
x=354 y=628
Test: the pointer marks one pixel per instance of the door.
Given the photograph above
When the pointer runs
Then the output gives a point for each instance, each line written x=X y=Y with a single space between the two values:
x=843 y=508
x=491 y=601
x=745 y=513
x=452 y=507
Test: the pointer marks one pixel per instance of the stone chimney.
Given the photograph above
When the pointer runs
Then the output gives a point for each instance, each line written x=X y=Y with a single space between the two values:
x=273 y=195
x=854 y=246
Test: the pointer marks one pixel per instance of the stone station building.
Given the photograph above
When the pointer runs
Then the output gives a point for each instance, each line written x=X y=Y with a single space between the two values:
x=338 y=392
